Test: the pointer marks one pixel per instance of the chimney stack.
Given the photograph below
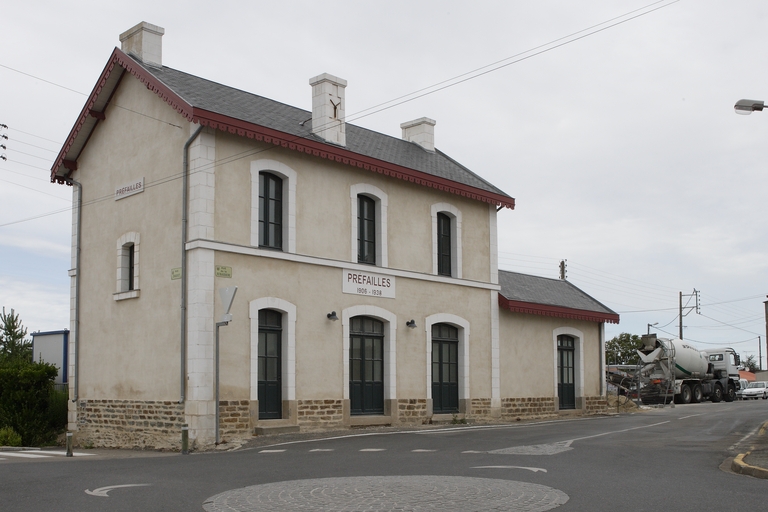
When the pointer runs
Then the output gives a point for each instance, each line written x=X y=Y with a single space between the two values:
x=421 y=131
x=145 y=42
x=328 y=106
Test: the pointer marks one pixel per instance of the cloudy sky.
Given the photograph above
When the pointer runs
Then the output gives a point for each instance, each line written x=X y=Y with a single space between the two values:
x=610 y=122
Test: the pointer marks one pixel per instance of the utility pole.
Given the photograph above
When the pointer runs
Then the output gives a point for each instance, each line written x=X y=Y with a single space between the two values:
x=697 y=307
x=563 y=273
x=766 y=332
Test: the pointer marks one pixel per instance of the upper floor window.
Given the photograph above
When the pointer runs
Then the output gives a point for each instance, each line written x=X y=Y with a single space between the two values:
x=366 y=230
x=369 y=225
x=273 y=205
x=446 y=240
x=128 y=266
x=443 y=244
x=270 y=211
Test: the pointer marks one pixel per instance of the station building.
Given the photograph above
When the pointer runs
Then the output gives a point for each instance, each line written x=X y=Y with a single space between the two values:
x=368 y=288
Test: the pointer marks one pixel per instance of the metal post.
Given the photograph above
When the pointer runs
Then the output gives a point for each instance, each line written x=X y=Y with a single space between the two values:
x=69 y=444
x=681 y=315
x=218 y=324
x=185 y=439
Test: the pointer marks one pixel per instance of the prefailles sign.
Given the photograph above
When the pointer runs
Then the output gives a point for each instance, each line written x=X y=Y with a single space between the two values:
x=129 y=189
x=366 y=283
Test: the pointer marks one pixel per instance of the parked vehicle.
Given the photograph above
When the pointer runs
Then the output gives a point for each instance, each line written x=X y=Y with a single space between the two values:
x=674 y=370
x=756 y=390
x=743 y=383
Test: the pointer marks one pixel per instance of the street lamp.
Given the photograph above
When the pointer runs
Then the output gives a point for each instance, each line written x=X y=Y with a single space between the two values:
x=651 y=325
x=746 y=107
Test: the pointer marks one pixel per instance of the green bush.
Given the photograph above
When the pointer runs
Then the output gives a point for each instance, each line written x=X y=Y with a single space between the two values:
x=57 y=411
x=25 y=397
x=9 y=438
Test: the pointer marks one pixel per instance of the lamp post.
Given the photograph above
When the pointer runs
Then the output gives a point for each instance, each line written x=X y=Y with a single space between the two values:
x=651 y=325
x=227 y=296
x=746 y=107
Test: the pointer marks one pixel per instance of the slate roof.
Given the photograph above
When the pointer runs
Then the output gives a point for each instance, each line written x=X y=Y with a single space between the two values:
x=550 y=297
x=224 y=107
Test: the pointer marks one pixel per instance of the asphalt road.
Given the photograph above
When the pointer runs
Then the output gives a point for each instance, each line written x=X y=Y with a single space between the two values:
x=657 y=460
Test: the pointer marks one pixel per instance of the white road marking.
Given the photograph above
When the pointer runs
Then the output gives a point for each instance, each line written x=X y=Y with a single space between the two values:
x=535 y=470
x=63 y=453
x=24 y=455
x=472 y=451
x=691 y=416
x=102 y=491
x=271 y=451
x=322 y=450
x=373 y=449
x=423 y=451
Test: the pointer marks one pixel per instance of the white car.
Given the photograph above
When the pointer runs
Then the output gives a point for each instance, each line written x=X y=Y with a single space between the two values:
x=755 y=390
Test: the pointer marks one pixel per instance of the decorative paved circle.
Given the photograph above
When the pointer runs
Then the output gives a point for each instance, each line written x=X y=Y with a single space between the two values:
x=417 y=493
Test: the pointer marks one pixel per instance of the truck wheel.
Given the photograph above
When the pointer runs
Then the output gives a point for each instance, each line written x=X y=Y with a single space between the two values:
x=730 y=395
x=717 y=394
x=697 y=394
x=685 y=395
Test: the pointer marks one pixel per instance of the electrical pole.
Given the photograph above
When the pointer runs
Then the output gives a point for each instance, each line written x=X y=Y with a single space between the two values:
x=766 y=331
x=563 y=273
x=681 y=316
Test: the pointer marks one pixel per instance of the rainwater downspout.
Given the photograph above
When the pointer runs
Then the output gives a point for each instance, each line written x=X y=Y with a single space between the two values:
x=185 y=208
x=72 y=182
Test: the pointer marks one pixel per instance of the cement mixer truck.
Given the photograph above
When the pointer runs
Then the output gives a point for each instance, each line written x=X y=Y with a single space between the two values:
x=675 y=370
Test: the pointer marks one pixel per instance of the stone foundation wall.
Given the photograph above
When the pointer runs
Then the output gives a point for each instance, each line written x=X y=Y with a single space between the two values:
x=595 y=404
x=412 y=411
x=234 y=417
x=129 y=424
x=320 y=412
x=480 y=407
x=513 y=408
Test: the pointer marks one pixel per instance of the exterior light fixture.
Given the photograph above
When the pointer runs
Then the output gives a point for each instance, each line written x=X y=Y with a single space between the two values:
x=411 y=323
x=746 y=107
x=332 y=316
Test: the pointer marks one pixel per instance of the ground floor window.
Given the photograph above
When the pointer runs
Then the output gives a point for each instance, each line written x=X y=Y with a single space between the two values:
x=566 y=388
x=366 y=366
x=270 y=364
x=445 y=368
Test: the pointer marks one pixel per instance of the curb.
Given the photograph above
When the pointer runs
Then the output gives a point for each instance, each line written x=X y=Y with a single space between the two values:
x=739 y=466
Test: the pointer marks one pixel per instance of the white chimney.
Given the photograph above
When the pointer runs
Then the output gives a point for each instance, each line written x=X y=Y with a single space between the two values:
x=328 y=106
x=421 y=131
x=145 y=42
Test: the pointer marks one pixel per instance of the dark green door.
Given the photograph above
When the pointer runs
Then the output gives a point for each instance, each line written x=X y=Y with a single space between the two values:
x=566 y=389
x=445 y=368
x=366 y=366
x=270 y=363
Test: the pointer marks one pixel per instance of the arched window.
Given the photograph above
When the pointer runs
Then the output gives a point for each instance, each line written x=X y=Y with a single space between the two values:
x=369 y=225
x=446 y=240
x=273 y=205
x=270 y=364
x=270 y=211
x=445 y=368
x=127 y=266
x=366 y=366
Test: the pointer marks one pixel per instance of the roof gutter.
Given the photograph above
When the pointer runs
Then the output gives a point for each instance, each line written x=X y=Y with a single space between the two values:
x=184 y=215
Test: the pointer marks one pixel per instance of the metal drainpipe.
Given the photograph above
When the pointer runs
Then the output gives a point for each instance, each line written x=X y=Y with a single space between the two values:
x=185 y=207
x=79 y=186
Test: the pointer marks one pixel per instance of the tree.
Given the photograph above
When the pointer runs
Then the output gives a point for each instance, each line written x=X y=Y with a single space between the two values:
x=750 y=363
x=13 y=345
x=622 y=349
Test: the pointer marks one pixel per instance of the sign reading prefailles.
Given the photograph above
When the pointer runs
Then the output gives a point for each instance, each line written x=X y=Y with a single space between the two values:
x=366 y=283
x=129 y=189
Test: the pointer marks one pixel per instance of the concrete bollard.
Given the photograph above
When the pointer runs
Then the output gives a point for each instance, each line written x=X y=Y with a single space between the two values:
x=69 y=444
x=184 y=439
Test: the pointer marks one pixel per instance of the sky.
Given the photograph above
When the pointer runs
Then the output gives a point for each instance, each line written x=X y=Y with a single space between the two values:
x=610 y=122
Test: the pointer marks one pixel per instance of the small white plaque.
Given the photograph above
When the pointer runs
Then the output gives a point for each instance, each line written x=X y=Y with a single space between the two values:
x=129 y=189
x=367 y=283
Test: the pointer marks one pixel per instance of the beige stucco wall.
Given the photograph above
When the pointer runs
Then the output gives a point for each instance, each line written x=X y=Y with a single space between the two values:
x=528 y=354
x=130 y=348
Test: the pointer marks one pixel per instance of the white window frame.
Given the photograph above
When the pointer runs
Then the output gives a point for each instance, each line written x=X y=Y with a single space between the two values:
x=382 y=201
x=124 y=243
x=456 y=258
x=463 y=326
x=578 y=356
x=289 y=177
x=287 y=345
